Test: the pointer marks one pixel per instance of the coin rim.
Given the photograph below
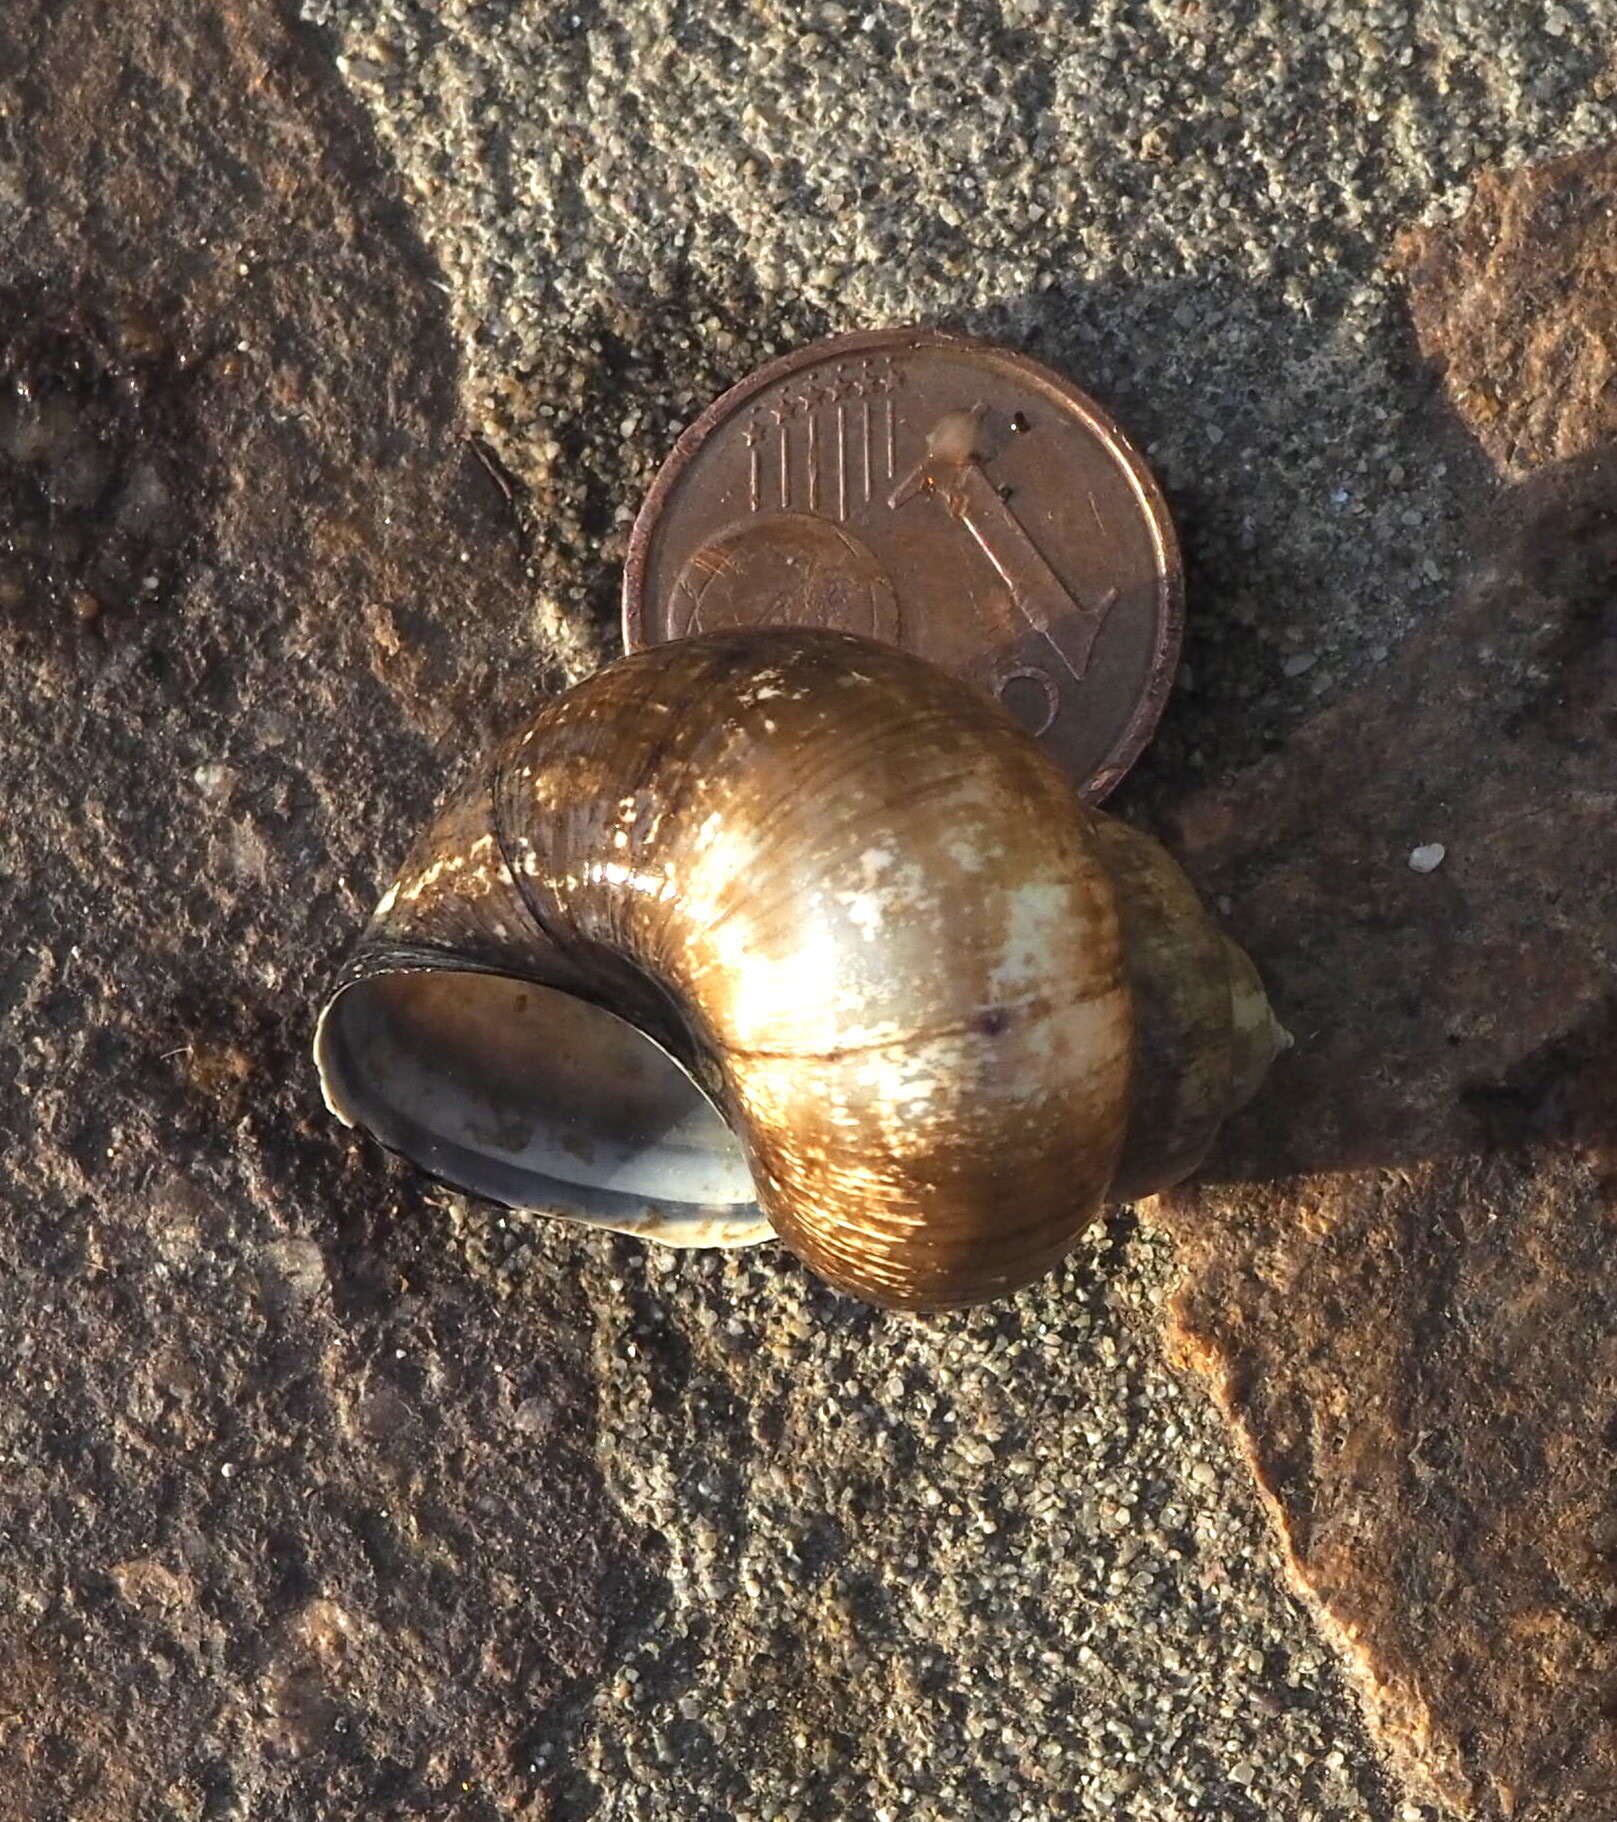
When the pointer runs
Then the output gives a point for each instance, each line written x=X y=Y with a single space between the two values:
x=1142 y=724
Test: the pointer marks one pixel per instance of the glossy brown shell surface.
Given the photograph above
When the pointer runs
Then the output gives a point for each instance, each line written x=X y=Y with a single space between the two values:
x=874 y=905
x=944 y=1010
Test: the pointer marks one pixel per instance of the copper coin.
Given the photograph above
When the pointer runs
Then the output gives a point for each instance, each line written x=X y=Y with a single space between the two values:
x=945 y=495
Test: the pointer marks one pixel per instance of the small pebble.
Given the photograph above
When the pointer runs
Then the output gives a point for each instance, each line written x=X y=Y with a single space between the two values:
x=1429 y=858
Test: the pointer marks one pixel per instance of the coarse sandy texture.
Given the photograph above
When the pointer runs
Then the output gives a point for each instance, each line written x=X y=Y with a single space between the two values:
x=998 y=1563
x=298 y=1522
x=1186 y=207
x=1400 y=1283
x=1191 y=210
x=325 y=1494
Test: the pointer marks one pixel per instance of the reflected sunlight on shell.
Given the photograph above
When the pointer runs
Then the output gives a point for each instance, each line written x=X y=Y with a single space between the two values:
x=786 y=932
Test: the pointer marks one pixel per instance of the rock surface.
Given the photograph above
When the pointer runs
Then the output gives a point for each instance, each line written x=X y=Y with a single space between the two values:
x=328 y=1494
x=1517 y=303
x=284 y=1535
x=1402 y=1291
x=1185 y=206
x=1191 y=210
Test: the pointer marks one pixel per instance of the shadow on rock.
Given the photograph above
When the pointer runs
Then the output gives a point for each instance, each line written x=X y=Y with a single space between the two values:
x=1398 y=1267
x=1295 y=449
x=1438 y=1013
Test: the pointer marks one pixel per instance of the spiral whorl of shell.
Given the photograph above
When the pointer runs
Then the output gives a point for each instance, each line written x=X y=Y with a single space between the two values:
x=812 y=892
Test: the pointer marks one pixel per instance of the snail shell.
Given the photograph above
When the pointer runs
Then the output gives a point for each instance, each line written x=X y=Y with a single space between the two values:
x=789 y=932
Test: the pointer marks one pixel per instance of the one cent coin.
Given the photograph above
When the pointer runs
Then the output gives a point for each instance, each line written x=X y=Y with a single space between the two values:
x=945 y=495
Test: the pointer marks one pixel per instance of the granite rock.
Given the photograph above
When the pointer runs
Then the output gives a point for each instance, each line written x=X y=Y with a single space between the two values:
x=279 y=1540
x=1399 y=1273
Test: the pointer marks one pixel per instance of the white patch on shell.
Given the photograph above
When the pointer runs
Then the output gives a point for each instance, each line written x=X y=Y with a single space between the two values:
x=477 y=875
x=881 y=893
x=1038 y=927
x=864 y=912
x=768 y=995
x=718 y=864
x=653 y=885
x=906 y=1080
x=762 y=686
x=966 y=853
x=767 y=686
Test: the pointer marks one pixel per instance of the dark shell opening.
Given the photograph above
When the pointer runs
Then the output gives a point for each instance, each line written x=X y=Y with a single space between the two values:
x=536 y=1099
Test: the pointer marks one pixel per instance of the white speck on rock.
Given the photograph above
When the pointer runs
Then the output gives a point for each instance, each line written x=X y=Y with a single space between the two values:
x=214 y=780
x=1429 y=858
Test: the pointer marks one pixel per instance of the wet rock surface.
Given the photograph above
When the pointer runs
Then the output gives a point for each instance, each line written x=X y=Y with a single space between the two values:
x=278 y=1539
